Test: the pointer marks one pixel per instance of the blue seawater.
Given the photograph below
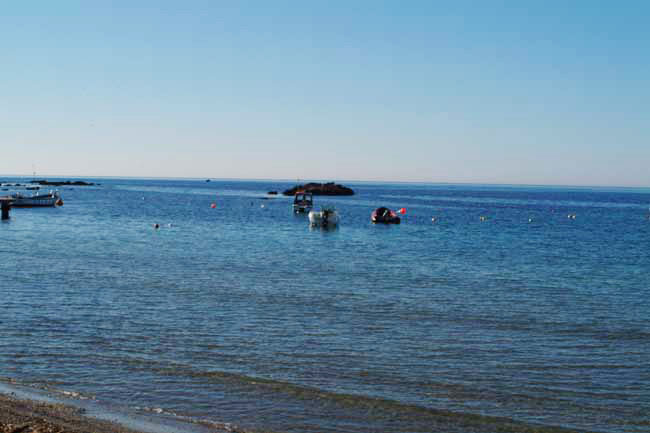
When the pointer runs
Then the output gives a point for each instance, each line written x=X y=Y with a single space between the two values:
x=527 y=321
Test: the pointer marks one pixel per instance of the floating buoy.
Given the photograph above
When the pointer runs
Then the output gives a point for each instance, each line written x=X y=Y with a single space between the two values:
x=59 y=202
x=483 y=218
x=530 y=220
x=156 y=226
x=262 y=206
x=433 y=219
x=402 y=211
x=213 y=205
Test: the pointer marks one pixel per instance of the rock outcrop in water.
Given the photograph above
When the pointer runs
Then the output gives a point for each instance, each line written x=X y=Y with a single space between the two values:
x=329 y=188
x=62 y=183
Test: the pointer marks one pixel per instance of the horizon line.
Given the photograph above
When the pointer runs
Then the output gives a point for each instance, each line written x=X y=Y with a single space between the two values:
x=299 y=180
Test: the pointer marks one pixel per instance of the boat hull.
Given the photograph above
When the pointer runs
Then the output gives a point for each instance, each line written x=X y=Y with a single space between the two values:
x=301 y=208
x=33 y=203
x=41 y=200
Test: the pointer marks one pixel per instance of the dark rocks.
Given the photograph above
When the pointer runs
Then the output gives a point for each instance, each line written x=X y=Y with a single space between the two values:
x=329 y=188
x=62 y=183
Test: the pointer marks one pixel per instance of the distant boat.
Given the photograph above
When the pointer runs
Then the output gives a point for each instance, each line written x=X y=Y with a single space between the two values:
x=326 y=218
x=303 y=202
x=19 y=187
x=384 y=215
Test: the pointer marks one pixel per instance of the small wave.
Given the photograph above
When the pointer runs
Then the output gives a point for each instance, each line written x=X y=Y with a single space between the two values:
x=377 y=408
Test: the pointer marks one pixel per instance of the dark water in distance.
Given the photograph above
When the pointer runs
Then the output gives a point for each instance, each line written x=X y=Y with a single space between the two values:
x=242 y=314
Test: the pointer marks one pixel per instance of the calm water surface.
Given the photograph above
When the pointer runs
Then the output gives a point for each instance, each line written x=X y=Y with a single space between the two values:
x=242 y=314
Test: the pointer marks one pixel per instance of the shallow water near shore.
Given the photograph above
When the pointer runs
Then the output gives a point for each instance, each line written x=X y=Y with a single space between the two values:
x=243 y=314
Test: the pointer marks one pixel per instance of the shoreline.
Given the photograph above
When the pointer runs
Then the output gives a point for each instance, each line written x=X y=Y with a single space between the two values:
x=21 y=415
x=28 y=410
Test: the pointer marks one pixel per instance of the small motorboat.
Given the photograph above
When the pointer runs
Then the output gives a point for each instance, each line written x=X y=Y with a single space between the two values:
x=384 y=215
x=302 y=202
x=326 y=218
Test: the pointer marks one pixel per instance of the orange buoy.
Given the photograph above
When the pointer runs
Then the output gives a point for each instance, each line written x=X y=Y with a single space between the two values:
x=402 y=211
x=59 y=202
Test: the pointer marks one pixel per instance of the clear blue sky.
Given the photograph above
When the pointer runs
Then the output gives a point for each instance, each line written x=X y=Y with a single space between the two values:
x=544 y=92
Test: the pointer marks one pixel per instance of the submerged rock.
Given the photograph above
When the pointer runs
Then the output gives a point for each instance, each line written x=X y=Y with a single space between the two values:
x=329 y=188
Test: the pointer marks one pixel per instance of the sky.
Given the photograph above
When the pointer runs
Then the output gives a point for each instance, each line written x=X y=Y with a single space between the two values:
x=508 y=92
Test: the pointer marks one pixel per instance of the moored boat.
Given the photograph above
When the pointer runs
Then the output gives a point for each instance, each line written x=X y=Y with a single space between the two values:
x=326 y=218
x=303 y=202
x=383 y=215
x=50 y=199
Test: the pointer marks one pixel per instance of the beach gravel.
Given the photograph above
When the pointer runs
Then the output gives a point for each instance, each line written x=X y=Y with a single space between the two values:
x=24 y=416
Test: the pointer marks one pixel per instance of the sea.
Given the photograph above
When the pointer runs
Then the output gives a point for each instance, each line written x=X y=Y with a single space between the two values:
x=490 y=308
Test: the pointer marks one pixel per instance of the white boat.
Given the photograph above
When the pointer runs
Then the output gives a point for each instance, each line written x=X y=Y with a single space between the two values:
x=19 y=187
x=327 y=218
x=18 y=199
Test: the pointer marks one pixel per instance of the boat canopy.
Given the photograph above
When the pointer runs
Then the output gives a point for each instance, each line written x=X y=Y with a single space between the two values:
x=303 y=197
